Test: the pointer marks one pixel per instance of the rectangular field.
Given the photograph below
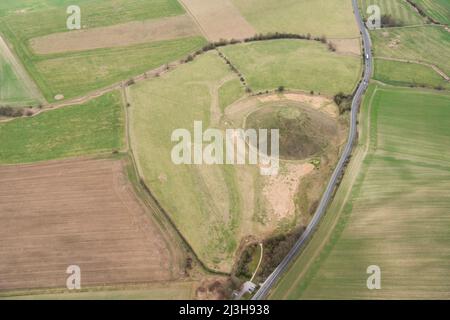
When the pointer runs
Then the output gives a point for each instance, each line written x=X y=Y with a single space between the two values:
x=399 y=73
x=76 y=212
x=397 y=214
x=219 y=19
x=332 y=18
x=294 y=64
x=94 y=127
x=76 y=73
x=120 y=35
x=430 y=44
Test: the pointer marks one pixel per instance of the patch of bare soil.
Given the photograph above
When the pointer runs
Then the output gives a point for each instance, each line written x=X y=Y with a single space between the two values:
x=121 y=35
x=213 y=289
x=280 y=190
x=347 y=46
x=77 y=212
x=219 y=19
x=394 y=43
x=240 y=109
x=317 y=102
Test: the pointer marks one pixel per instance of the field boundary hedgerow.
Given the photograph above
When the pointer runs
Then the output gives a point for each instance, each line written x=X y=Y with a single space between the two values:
x=156 y=72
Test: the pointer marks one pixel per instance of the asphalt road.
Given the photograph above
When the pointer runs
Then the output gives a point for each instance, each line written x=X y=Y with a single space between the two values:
x=328 y=194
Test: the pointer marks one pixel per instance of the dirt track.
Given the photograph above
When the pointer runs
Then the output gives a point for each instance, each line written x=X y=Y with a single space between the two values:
x=81 y=212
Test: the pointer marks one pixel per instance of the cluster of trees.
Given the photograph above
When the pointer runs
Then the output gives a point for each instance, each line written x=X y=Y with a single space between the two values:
x=7 y=111
x=275 y=249
x=235 y=70
x=389 y=21
x=331 y=46
x=258 y=37
x=284 y=35
x=421 y=85
x=242 y=270
x=344 y=102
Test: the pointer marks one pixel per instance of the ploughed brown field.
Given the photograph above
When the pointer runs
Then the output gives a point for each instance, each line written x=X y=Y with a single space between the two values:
x=76 y=212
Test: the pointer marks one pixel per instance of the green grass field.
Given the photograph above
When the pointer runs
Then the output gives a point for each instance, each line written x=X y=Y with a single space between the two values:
x=400 y=10
x=333 y=18
x=294 y=64
x=213 y=206
x=12 y=90
x=102 y=67
x=77 y=73
x=40 y=17
x=202 y=200
x=439 y=10
x=94 y=127
x=408 y=74
x=396 y=215
x=229 y=92
x=429 y=44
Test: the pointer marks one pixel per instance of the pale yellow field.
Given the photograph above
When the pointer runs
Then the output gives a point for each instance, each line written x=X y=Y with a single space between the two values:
x=219 y=19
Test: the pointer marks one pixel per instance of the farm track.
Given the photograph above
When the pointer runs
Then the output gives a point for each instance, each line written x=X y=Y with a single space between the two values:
x=6 y=52
x=99 y=92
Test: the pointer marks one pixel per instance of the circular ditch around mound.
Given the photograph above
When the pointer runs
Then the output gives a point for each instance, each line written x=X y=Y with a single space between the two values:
x=303 y=131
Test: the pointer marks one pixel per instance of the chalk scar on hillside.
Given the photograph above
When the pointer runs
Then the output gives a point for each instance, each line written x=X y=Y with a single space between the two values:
x=280 y=190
